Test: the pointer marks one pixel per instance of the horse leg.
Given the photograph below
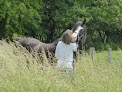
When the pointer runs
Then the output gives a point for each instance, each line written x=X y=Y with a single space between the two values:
x=75 y=55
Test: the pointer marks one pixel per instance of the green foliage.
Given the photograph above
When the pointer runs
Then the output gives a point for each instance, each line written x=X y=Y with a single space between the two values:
x=106 y=19
x=48 y=19
x=20 y=17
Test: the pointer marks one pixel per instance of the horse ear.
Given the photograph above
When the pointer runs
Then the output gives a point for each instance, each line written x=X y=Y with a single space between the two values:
x=84 y=22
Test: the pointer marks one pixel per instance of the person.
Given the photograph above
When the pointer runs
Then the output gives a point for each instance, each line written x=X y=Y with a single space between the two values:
x=64 y=51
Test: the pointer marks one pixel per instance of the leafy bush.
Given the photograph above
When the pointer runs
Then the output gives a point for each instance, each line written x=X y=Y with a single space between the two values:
x=46 y=20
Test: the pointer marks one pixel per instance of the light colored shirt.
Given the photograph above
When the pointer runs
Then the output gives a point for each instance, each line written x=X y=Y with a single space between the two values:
x=64 y=53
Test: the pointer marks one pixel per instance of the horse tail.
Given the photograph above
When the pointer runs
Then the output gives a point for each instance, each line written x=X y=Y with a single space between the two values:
x=18 y=38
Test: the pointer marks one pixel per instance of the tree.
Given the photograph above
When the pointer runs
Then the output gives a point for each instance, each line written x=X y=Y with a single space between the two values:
x=19 y=17
x=48 y=19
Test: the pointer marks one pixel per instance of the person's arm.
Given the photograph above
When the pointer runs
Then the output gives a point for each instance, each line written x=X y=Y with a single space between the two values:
x=57 y=51
x=74 y=46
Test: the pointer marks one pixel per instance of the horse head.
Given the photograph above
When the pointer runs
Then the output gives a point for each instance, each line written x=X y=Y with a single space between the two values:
x=80 y=28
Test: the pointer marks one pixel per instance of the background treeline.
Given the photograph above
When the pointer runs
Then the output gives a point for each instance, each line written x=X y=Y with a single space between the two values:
x=47 y=19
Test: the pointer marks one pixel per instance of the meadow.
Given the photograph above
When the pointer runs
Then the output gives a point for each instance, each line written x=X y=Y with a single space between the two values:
x=20 y=71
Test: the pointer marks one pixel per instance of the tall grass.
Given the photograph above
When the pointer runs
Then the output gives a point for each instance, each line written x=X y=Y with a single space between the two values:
x=21 y=71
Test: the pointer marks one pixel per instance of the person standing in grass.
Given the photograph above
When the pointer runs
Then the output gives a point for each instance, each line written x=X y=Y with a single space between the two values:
x=64 y=51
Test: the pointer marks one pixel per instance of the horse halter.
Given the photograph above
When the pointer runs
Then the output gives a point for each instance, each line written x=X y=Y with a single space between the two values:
x=79 y=28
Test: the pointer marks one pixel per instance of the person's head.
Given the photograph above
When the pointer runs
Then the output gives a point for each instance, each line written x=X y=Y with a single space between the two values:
x=67 y=36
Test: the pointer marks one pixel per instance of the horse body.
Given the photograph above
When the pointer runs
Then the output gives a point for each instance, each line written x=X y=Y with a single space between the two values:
x=36 y=45
x=47 y=47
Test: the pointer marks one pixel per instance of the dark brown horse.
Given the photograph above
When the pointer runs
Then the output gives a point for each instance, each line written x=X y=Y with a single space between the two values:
x=36 y=45
x=81 y=35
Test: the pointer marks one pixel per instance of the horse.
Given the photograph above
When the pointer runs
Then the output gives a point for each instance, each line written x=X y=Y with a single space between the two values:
x=81 y=35
x=32 y=44
x=37 y=46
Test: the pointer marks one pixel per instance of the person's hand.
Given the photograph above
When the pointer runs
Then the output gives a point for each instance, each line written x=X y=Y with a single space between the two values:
x=74 y=37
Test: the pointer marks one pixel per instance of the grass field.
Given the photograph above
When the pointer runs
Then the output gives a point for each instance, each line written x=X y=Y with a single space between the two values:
x=22 y=72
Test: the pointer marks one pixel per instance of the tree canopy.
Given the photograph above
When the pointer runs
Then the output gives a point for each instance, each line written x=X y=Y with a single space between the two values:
x=47 y=19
